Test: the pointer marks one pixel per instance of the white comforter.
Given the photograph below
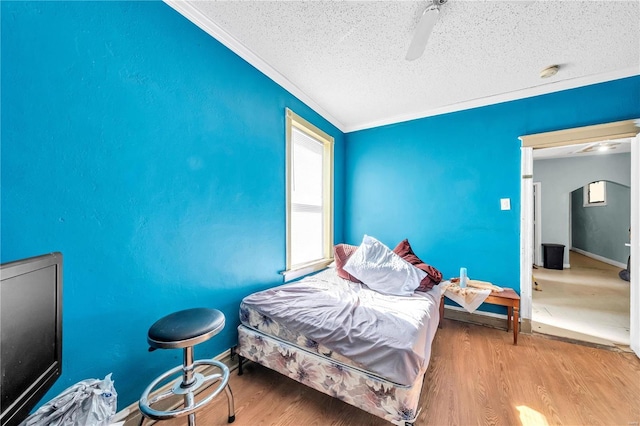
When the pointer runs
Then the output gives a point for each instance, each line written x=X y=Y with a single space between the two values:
x=389 y=335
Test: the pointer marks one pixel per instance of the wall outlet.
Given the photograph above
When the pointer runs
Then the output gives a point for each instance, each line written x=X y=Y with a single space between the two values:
x=505 y=204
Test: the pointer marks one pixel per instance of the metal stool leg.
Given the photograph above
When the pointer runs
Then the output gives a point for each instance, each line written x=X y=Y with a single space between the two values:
x=188 y=402
x=232 y=410
x=187 y=369
x=188 y=380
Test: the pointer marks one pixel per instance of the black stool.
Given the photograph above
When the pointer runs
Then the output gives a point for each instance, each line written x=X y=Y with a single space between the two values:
x=185 y=329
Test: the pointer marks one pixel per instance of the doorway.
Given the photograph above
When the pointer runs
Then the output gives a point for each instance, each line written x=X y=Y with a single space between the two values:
x=603 y=132
x=587 y=300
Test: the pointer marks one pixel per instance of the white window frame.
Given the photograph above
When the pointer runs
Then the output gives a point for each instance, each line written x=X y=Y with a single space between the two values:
x=293 y=120
x=586 y=202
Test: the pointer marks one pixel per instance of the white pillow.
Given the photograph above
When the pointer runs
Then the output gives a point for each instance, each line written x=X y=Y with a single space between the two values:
x=382 y=270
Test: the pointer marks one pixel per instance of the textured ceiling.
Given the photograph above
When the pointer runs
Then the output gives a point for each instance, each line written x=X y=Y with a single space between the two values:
x=348 y=57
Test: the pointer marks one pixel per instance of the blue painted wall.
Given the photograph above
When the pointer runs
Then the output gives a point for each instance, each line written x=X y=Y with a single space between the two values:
x=438 y=181
x=153 y=158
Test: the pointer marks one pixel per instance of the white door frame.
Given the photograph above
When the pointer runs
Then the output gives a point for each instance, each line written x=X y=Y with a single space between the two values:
x=537 y=229
x=634 y=328
x=570 y=227
x=526 y=217
x=526 y=233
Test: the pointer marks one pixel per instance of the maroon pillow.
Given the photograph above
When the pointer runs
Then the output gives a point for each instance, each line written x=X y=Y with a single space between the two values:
x=403 y=249
x=342 y=253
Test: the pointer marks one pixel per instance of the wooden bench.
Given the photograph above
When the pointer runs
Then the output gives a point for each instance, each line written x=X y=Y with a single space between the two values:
x=508 y=298
x=511 y=300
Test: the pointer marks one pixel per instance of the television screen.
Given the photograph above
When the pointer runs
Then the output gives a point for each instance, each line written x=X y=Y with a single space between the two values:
x=30 y=333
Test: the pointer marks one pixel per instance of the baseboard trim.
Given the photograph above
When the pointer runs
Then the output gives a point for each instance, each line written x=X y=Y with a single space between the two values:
x=600 y=258
x=489 y=319
x=131 y=414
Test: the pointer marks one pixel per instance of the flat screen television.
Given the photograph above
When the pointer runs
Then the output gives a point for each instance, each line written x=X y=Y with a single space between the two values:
x=30 y=333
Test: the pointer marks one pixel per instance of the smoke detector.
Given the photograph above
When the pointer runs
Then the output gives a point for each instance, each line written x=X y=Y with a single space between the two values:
x=549 y=71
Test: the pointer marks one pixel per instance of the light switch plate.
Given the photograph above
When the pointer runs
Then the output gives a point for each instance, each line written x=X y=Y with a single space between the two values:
x=505 y=204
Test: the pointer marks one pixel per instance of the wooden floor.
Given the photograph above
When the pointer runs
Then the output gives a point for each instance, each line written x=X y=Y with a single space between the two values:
x=476 y=377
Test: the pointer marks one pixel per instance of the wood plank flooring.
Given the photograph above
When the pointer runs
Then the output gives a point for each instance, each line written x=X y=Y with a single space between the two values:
x=476 y=377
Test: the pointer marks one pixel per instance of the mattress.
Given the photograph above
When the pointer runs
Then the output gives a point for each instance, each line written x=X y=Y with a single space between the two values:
x=389 y=336
x=252 y=318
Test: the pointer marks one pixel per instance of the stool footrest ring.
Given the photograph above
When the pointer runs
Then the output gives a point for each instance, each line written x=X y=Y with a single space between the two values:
x=200 y=380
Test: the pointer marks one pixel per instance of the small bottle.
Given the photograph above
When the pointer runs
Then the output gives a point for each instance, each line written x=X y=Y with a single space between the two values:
x=463 y=277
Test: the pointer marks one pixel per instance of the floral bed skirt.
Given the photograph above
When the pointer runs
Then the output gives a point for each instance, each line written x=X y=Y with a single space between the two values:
x=396 y=403
x=257 y=321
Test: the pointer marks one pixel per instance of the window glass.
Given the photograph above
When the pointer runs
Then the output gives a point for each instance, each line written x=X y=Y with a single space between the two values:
x=595 y=194
x=309 y=194
x=306 y=199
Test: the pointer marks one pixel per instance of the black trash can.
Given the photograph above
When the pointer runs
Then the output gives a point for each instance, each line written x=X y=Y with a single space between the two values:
x=553 y=256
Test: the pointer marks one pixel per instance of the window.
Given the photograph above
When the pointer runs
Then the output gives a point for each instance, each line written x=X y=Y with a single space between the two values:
x=309 y=197
x=595 y=194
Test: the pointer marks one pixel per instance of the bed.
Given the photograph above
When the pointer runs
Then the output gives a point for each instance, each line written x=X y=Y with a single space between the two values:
x=342 y=338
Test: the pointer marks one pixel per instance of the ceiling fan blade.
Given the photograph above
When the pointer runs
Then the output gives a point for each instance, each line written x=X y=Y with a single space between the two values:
x=423 y=31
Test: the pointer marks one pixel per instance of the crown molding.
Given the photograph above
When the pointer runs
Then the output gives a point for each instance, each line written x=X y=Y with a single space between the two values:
x=504 y=97
x=190 y=12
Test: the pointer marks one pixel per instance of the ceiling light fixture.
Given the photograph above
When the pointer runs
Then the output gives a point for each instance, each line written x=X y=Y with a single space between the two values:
x=549 y=71
x=600 y=146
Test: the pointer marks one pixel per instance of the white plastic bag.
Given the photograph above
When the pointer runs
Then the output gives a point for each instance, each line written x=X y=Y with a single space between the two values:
x=91 y=402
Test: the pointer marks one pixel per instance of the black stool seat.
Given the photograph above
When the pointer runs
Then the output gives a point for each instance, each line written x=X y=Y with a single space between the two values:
x=185 y=328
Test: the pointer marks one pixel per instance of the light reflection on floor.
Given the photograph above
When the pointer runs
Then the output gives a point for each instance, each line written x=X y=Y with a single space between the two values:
x=530 y=417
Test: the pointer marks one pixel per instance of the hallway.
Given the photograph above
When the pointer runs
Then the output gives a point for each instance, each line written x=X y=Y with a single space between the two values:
x=587 y=302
